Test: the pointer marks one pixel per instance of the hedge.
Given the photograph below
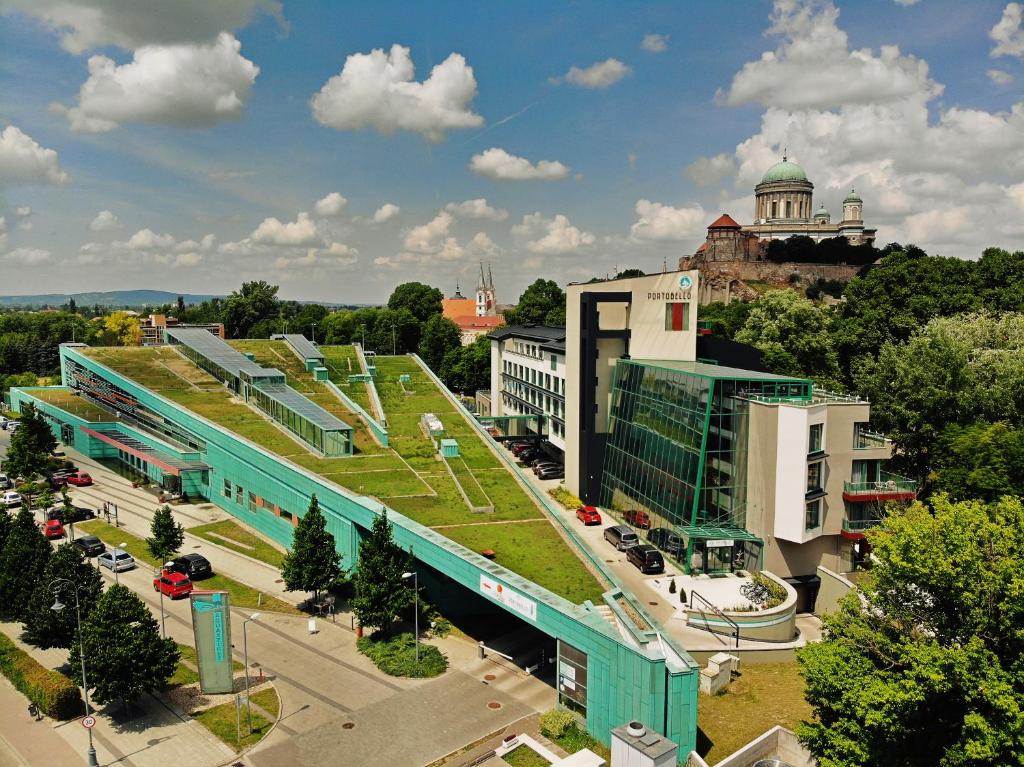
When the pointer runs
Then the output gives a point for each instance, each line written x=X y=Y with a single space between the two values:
x=56 y=695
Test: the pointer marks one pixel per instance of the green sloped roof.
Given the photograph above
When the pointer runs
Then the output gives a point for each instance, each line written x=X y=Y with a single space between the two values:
x=852 y=197
x=784 y=171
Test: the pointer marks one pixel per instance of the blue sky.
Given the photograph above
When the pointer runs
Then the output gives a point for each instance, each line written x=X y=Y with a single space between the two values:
x=204 y=167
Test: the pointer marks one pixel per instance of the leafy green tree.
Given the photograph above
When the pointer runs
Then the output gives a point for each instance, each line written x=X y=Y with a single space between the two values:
x=422 y=301
x=924 y=666
x=794 y=336
x=46 y=628
x=726 y=319
x=31 y=445
x=982 y=460
x=125 y=655
x=954 y=370
x=253 y=302
x=468 y=368
x=5 y=528
x=440 y=336
x=313 y=563
x=394 y=330
x=542 y=303
x=381 y=592
x=22 y=561
x=166 y=535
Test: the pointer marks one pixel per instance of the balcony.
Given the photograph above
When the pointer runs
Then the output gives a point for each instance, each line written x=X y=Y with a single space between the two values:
x=853 y=529
x=869 y=440
x=888 y=487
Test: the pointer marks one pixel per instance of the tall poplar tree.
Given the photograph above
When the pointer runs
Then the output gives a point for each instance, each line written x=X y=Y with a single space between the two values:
x=313 y=563
x=22 y=560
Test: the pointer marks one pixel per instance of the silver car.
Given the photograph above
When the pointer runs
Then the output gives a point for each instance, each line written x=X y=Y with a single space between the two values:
x=12 y=499
x=621 y=537
x=116 y=560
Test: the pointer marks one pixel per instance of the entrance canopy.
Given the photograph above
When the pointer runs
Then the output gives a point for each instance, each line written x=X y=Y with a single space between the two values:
x=141 y=450
x=702 y=532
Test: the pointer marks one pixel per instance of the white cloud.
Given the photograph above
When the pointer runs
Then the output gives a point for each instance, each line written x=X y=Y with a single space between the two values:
x=597 y=76
x=301 y=232
x=1008 y=32
x=656 y=221
x=552 y=236
x=191 y=245
x=999 y=77
x=105 y=221
x=482 y=245
x=655 y=43
x=705 y=171
x=335 y=255
x=331 y=205
x=188 y=259
x=814 y=68
x=385 y=212
x=27 y=256
x=377 y=90
x=190 y=85
x=22 y=160
x=500 y=165
x=147 y=239
x=906 y=2
x=87 y=24
x=478 y=208
x=428 y=237
x=23 y=211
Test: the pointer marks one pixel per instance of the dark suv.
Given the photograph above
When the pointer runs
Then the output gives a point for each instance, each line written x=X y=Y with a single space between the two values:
x=646 y=558
x=667 y=541
x=90 y=545
x=78 y=514
x=193 y=566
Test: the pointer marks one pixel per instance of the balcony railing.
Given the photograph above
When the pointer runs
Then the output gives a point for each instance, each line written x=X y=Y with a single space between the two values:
x=866 y=440
x=859 y=525
x=886 y=487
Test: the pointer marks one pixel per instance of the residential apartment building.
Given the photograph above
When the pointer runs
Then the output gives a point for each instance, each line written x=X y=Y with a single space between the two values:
x=152 y=328
x=528 y=377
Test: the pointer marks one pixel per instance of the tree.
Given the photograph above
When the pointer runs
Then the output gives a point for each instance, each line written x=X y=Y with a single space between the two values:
x=422 y=301
x=542 y=303
x=31 y=446
x=954 y=370
x=245 y=307
x=72 y=306
x=395 y=331
x=924 y=666
x=793 y=335
x=381 y=592
x=126 y=656
x=121 y=329
x=440 y=336
x=468 y=368
x=726 y=319
x=982 y=460
x=46 y=628
x=22 y=560
x=313 y=563
x=167 y=535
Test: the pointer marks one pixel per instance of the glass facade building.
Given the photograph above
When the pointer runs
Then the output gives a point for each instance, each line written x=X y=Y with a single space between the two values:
x=677 y=448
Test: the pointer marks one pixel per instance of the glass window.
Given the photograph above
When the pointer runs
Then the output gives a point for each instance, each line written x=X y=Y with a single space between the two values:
x=812 y=514
x=252 y=501
x=227 y=488
x=238 y=494
x=815 y=443
x=554 y=362
x=677 y=316
x=814 y=476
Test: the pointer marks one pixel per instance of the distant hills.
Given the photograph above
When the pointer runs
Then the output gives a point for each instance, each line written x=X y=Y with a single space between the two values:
x=122 y=298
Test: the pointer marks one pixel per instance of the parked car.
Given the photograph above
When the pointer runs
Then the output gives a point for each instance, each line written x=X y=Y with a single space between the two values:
x=554 y=472
x=530 y=455
x=588 y=515
x=172 y=585
x=12 y=425
x=58 y=481
x=521 y=447
x=540 y=465
x=195 y=566
x=78 y=514
x=79 y=479
x=12 y=499
x=542 y=458
x=668 y=541
x=5 y=482
x=646 y=558
x=52 y=528
x=621 y=537
x=637 y=518
x=116 y=560
x=90 y=545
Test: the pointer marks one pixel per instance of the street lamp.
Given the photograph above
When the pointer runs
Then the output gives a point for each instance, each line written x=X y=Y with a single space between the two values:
x=163 y=616
x=394 y=347
x=117 y=552
x=314 y=332
x=245 y=651
x=416 y=615
x=362 y=331
x=55 y=586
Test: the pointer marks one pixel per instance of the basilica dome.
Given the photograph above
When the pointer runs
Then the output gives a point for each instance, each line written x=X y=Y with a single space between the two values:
x=784 y=171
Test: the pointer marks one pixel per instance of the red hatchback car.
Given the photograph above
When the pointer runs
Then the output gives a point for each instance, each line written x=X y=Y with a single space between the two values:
x=588 y=515
x=637 y=518
x=52 y=528
x=79 y=479
x=173 y=585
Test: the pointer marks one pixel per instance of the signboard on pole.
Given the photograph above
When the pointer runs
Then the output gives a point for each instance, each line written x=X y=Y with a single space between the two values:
x=211 y=624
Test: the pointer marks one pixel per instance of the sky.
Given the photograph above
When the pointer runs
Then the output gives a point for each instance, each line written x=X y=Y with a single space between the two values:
x=339 y=149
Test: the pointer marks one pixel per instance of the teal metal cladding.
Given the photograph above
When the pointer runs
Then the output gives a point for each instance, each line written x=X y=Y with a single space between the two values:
x=628 y=680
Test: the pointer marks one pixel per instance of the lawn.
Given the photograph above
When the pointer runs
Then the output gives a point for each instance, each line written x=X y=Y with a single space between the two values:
x=241 y=595
x=72 y=403
x=762 y=696
x=232 y=535
x=524 y=756
x=222 y=720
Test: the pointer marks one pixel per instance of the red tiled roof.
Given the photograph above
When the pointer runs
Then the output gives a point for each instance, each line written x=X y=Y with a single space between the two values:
x=477 y=323
x=725 y=221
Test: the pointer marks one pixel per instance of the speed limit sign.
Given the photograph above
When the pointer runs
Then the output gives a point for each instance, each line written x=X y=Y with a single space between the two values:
x=89 y=722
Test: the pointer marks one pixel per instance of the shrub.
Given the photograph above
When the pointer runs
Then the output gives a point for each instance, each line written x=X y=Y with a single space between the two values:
x=56 y=695
x=564 y=497
x=397 y=656
x=556 y=723
x=777 y=594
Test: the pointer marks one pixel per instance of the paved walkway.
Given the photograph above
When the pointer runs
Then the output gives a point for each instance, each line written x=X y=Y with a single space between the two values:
x=25 y=742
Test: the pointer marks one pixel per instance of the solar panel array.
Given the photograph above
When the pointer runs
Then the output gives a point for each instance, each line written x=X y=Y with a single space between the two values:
x=303 y=346
x=216 y=351
x=291 y=399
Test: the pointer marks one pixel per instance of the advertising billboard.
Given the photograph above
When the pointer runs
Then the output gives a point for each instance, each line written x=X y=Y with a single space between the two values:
x=211 y=623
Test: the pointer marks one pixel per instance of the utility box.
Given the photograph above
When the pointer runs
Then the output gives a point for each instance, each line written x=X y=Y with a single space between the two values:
x=320 y=374
x=404 y=378
x=449 y=448
x=633 y=745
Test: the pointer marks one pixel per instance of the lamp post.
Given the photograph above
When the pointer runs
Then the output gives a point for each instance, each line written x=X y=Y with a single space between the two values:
x=163 y=615
x=416 y=615
x=314 y=332
x=362 y=331
x=394 y=346
x=245 y=652
x=55 y=586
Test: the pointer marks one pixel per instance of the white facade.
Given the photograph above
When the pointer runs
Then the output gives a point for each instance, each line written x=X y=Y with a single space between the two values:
x=528 y=378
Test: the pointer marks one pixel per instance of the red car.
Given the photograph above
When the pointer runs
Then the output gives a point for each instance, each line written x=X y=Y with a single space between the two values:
x=52 y=528
x=588 y=515
x=637 y=518
x=173 y=585
x=79 y=479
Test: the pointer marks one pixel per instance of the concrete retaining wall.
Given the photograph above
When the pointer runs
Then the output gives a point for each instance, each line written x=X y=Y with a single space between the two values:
x=833 y=588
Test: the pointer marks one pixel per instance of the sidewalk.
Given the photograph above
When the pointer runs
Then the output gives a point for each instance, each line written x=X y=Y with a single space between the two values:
x=25 y=742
